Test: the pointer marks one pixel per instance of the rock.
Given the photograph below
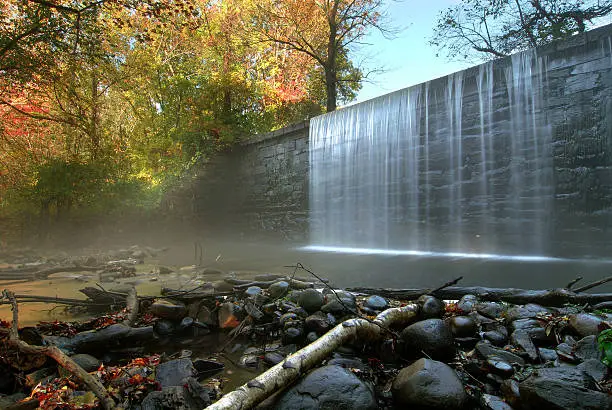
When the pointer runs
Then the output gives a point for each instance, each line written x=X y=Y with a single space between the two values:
x=588 y=348
x=249 y=360
x=186 y=323
x=253 y=291
x=311 y=337
x=289 y=320
x=273 y=358
x=207 y=368
x=585 y=324
x=278 y=289
x=511 y=392
x=594 y=368
x=557 y=390
x=524 y=324
x=522 y=339
x=347 y=297
x=492 y=310
x=485 y=323
x=311 y=300
x=227 y=318
x=167 y=309
x=293 y=335
x=222 y=286
x=547 y=355
x=163 y=327
x=432 y=337
x=7 y=401
x=463 y=326
x=347 y=363
x=328 y=387
x=485 y=350
x=429 y=384
x=294 y=296
x=175 y=372
x=496 y=338
x=566 y=353
x=431 y=307
x=500 y=366
x=490 y=402
x=176 y=398
x=467 y=304
x=205 y=316
x=317 y=324
x=87 y=362
x=376 y=303
x=336 y=307
x=527 y=311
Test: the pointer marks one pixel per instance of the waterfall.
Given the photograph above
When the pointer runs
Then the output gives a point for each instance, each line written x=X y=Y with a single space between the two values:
x=459 y=164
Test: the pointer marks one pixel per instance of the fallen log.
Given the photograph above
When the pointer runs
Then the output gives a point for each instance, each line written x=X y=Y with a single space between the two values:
x=60 y=357
x=104 y=296
x=53 y=299
x=112 y=337
x=552 y=297
x=21 y=274
x=286 y=372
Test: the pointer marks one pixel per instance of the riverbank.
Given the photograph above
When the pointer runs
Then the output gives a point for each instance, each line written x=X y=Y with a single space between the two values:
x=295 y=340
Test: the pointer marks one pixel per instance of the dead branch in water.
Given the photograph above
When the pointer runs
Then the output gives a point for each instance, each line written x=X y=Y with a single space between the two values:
x=553 y=297
x=56 y=354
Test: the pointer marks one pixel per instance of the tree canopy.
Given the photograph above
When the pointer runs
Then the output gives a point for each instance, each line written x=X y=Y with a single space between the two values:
x=100 y=97
x=477 y=29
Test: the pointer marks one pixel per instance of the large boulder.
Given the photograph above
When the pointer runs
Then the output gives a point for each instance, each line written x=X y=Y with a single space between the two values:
x=564 y=388
x=428 y=384
x=431 y=337
x=328 y=387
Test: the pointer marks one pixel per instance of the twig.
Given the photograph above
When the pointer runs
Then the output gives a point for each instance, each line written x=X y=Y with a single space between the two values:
x=572 y=283
x=446 y=285
x=594 y=284
x=56 y=354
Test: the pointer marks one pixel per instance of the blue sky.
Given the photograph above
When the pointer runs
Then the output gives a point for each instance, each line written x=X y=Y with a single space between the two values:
x=408 y=59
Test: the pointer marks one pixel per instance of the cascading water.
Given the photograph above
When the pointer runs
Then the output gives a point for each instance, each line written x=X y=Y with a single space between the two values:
x=416 y=170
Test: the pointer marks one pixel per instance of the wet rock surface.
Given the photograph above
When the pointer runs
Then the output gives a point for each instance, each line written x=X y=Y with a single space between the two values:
x=329 y=387
x=428 y=384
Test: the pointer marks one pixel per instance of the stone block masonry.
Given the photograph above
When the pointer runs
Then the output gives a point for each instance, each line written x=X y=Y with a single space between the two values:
x=263 y=185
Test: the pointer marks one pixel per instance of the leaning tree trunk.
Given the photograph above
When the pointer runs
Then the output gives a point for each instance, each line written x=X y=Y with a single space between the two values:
x=286 y=372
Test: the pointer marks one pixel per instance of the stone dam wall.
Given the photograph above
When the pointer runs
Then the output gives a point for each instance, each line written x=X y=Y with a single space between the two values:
x=263 y=185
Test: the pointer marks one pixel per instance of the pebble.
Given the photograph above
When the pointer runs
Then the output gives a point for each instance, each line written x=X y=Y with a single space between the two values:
x=253 y=291
x=467 y=304
x=376 y=303
x=500 y=366
x=431 y=307
x=278 y=289
x=463 y=326
x=311 y=300
x=496 y=338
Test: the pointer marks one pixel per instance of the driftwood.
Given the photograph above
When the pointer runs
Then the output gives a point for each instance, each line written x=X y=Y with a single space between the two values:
x=53 y=299
x=104 y=296
x=245 y=283
x=552 y=297
x=290 y=369
x=23 y=274
x=60 y=357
